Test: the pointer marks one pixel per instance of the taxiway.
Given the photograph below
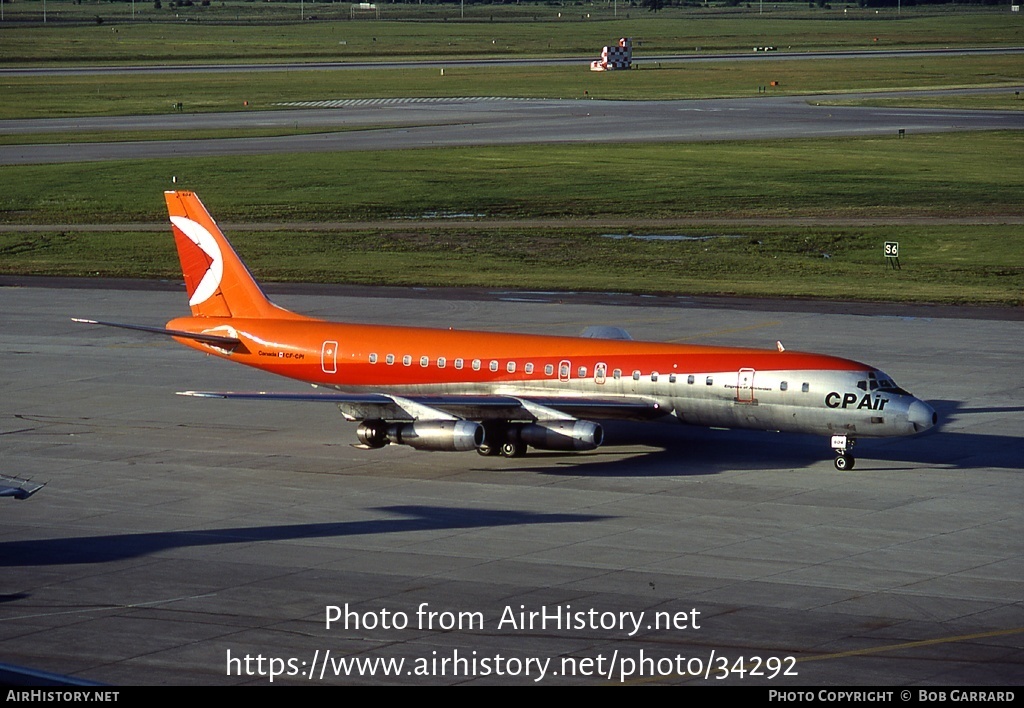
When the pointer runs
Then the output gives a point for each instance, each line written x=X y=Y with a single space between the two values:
x=175 y=534
x=450 y=122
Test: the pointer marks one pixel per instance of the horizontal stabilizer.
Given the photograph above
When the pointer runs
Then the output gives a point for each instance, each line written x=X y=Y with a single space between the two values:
x=214 y=339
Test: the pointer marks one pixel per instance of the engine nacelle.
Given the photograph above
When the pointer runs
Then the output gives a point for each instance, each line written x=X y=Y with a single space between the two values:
x=563 y=435
x=442 y=435
x=373 y=433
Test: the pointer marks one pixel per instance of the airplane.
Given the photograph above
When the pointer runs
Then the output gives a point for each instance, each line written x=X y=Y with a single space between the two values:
x=502 y=393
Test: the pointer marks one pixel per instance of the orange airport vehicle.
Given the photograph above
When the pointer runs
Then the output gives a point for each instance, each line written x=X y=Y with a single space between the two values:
x=500 y=393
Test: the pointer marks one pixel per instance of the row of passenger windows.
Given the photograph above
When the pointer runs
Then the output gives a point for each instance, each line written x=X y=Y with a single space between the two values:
x=475 y=364
x=549 y=370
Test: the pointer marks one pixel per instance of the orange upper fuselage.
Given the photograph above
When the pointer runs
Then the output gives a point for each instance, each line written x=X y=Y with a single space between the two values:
x=361 y=356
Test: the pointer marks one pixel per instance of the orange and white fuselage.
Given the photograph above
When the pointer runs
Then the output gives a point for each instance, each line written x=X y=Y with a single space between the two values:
x=498 y=392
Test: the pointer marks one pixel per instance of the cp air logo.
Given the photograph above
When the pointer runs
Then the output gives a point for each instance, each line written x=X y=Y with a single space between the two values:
x=847 y=400
x=202 y=238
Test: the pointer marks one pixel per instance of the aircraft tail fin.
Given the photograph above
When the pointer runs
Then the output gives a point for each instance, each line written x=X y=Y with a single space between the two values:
x=217 y=281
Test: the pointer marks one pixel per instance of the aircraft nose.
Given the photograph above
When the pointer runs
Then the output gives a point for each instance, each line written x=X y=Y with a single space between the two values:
x=922 y=416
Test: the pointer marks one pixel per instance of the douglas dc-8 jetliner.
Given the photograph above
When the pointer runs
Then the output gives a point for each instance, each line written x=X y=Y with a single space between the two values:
x=497 y=393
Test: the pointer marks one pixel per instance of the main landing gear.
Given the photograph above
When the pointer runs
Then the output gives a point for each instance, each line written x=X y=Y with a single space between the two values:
x=843 y=446
x=506 y=449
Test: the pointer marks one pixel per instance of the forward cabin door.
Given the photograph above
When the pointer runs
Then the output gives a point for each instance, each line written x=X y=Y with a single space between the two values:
x=745 y=386
x=329 y=357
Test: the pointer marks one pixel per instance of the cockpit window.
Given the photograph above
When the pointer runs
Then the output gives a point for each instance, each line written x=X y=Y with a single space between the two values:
x=885 y=385
x=890 y=387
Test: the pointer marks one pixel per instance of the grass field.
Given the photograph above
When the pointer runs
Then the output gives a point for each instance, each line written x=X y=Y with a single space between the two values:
x=951 y=264
x=948 y=175
x=944 y=175
x=934 y=177
x=183 y=35
x=278 y=12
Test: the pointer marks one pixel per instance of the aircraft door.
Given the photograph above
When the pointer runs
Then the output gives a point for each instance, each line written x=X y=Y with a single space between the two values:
x=329 y=357
x=745 y=386
x=564 y=370
x=600 y=371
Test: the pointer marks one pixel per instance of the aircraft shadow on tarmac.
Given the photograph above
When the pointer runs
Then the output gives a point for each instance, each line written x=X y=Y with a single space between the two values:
x=118 y=547
x=689 y=451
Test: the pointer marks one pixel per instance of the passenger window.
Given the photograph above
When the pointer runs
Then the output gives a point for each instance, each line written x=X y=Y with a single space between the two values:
x=636 y=375
x=529 y=368
x=459 y=363
x=710 y=381
x=390 y=359
x=407 y=360
x=784 y=386
x=617 y=374
x=424 y=361
x=549 y=369
x=581 y=373
x=671 y=378
x=806 y=387
x=373 y=358
x=690 y=379
x=493 y=365
x=510 y=367
x=654 y=376
x=441 y=362
x=476 y=365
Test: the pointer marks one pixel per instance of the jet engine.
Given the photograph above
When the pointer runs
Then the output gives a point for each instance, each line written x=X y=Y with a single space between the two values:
x=563 y=435
x=441 y=435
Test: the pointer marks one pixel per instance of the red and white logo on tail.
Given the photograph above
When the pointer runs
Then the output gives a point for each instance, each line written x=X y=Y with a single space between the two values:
x=209 y=282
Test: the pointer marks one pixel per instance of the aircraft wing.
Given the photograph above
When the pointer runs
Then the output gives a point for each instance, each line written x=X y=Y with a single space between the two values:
x=18 y=488
x=381 y=406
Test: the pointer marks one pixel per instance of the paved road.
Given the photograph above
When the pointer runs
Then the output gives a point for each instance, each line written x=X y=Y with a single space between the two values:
x=174 y=531
x=462 y=122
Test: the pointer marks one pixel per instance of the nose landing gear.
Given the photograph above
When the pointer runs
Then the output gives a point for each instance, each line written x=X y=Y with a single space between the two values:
x=843 y=446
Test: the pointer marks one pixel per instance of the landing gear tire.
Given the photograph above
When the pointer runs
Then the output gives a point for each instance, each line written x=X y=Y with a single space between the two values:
x=842 y=446
x=513 y=449
x=488 y=450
